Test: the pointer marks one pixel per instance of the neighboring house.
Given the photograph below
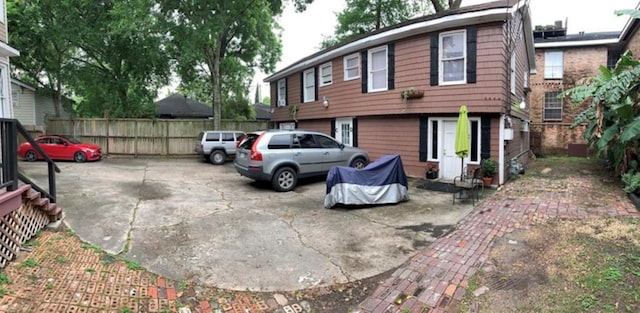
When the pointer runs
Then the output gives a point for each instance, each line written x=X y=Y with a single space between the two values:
x=179 y=106
x=562 y=60
x=32 y=106
x=263 y=111
x=6 y=51
x=479 y=56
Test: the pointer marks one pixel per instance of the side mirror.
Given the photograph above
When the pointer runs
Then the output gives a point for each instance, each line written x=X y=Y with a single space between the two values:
x=341 y=146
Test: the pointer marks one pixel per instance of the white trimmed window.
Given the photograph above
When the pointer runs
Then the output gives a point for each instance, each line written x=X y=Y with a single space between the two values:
x=287 y=126
x=453 y=57
x=377 y=64
x=282 y=93
x=326 y=74
x=553 y=65
x=309 y=85
x=352 y=67
x=3 y=12
x=552 y=107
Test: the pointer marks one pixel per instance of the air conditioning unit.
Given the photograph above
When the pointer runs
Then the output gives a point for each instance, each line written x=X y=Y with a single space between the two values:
x=282 y=102
x=525 y=126
x=508 y=134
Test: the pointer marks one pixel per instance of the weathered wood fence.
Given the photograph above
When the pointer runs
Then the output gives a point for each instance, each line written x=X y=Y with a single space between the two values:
x=143 y=137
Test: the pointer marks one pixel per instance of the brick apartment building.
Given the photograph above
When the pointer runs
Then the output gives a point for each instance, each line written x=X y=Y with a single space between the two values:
x=562 y=60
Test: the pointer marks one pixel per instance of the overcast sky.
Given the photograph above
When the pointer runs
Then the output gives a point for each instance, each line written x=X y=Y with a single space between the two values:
x=302 y=32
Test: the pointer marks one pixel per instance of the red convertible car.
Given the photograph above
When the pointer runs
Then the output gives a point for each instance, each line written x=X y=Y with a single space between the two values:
x=60 y=148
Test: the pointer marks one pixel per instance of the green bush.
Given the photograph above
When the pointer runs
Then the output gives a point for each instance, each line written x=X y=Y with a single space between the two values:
x=489 y=167
x=631 y=181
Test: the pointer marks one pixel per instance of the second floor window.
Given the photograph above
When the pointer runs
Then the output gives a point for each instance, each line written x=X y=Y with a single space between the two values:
x=453 y=57
x=378 y=77
x=351 y=67
x=282 y=92
x=553 y=65
x=309 y=84
x=552 y=107
x=326 y=75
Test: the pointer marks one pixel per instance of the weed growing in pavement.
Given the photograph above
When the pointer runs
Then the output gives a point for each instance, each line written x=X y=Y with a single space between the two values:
x=49 y=286
x=4 y=279
x=3 y=291
x=32 y=243
x=182 y=285
x=90 y=270
x=28 y=263
x=62 y=260
x=473 y=283
x=132 y=265
x=70 y=232
x=126 y=310
x=92 y=247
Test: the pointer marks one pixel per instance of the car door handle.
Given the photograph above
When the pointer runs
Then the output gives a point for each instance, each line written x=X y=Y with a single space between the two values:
x=297 y=154
x=326 y=153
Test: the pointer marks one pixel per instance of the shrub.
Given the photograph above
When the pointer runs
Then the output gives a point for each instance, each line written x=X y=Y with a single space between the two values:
x=631 y=181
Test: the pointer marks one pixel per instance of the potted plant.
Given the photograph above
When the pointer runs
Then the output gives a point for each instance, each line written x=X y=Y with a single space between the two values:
x=411 y=93
x=432 y=171
x=489 y=169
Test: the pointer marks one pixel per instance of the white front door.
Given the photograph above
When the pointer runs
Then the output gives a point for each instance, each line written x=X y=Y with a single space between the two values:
x=451 y=163
x=344 y=131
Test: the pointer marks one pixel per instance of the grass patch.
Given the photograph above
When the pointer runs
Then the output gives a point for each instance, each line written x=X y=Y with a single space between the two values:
x=132 y=265
x=89 y=246
x=62 y=260
x=32 y=243
x=30 y=262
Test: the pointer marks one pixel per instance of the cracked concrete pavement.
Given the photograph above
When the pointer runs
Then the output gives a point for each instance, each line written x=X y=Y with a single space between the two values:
x=189 y=220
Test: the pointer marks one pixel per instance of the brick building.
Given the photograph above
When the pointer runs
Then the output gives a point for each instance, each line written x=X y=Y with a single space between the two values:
x=562 y=61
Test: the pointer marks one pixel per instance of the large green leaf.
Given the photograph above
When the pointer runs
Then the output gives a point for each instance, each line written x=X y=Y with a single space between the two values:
x=607 y=136
x=631 y=131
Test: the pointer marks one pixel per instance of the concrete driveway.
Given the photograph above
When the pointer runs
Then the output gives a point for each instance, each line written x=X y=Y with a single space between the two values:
x=189 y=220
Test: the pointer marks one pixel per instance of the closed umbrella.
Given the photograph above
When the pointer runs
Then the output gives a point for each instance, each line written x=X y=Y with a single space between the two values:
x=462 y=137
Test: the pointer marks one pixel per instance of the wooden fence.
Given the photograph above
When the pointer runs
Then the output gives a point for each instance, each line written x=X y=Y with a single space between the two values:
x=143 y=137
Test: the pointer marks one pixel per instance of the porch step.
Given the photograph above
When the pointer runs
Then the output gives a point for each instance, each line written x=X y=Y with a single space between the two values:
x=50 y=208
x=41 y=202
x=31 y=194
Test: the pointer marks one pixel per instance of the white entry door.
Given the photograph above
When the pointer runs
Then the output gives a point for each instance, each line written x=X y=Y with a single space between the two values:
x=344 y=131
x=451 y=163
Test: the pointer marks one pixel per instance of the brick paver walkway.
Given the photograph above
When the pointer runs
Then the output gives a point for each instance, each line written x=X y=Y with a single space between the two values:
x=440 y=273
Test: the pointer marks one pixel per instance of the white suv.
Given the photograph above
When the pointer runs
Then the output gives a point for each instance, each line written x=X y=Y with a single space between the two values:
x=217 y=145
x=283 y=156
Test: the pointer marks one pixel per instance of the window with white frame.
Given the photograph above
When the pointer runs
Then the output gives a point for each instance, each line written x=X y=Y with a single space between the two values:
x=453 y=54
x=552 y=107
x=287 y=126
x=14 y=98
x=377 y=68
x=513 y=73
x=282 y=93
x=2 y=11
x=309 y=85
x=352 y=66
x=553 y=65
x=326 y=74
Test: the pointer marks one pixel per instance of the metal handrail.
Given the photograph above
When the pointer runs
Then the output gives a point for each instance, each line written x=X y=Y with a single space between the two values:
x=9 y=130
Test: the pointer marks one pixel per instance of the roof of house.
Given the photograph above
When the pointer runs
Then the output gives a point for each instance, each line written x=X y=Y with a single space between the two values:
x=497 y=11
x=263 y=111
x=580 y=39
x=180 y=106
x=22 y=84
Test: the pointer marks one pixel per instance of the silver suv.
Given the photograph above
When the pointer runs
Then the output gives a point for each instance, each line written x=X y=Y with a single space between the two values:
x=283 y=156
x=217 y=145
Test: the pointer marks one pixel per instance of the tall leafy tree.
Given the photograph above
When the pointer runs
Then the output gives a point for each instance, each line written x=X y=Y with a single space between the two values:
x=212 y=36
x=363 y=16
x=39 y=31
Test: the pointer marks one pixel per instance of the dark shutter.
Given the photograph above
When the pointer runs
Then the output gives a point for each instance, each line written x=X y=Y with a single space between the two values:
x=424 y=138
x=364 y=72
x=286 y=91
x=302 y=87
x=472 y=39
x=354 y=134
x=433 y=74
x=315 y=82
x=391 y=66
x=333 y=127
x=485 y=137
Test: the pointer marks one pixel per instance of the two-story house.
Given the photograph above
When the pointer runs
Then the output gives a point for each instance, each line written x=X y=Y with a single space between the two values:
x=562 y=61
x=479 y=56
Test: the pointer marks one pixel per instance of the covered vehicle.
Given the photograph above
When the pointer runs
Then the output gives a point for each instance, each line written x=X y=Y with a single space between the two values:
x=381 y=182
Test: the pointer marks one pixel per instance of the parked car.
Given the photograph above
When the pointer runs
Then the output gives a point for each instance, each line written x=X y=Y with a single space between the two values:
x=283 y=156
x=60 y=148
x=218 y=145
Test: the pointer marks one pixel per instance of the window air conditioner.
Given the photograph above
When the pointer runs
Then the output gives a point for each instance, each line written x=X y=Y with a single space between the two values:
x=281 y=102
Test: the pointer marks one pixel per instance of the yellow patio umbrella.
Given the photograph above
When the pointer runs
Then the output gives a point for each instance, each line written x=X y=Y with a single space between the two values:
x=462 y=137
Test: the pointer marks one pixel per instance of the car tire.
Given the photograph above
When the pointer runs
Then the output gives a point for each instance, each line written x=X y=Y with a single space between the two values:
x=31 y=156
x=217 y=157
x=80 y=157
x=285 y=179
x=358 y=163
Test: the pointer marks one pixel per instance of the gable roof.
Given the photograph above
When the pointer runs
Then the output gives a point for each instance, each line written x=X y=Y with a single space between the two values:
x=263 y=111
x=179 y=106
x=22 y=84
x=497 y=11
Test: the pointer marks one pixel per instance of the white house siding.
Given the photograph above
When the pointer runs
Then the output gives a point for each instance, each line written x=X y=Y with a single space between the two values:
x=45 y=108
x=24 y=111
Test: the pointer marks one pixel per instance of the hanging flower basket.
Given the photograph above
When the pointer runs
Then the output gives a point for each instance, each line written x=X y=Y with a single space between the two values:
x=412 y=93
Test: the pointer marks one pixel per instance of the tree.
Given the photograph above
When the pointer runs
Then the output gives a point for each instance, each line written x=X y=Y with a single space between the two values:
x=256 y=99
x=364 y=16
x=210 y=37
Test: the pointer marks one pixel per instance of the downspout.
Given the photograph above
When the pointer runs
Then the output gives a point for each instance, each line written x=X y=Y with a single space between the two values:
x=501 y=143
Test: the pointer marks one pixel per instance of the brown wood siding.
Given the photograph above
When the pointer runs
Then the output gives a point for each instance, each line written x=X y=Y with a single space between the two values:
x=323 y=126
x=412 y=68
